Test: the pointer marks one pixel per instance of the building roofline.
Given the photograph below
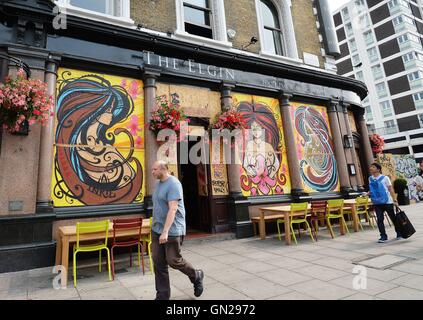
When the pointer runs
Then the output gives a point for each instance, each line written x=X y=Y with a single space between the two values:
x=132 y=38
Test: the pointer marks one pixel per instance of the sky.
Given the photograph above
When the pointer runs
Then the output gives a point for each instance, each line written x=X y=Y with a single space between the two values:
x=335 y=4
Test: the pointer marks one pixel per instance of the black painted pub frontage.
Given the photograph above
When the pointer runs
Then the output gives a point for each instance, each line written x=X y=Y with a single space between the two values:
x=94 y=159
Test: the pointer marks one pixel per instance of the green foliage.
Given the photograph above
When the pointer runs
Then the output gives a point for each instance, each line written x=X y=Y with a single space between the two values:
x=400 y=185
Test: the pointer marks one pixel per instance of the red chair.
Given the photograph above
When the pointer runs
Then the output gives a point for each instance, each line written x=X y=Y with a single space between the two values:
x=126 y=224
x=318 y=214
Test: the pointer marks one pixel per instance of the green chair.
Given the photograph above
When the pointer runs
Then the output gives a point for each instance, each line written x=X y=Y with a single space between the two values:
x=86 y=228
x=362 y=208
x=338 y=207
x=147 y=239
x=297 y=219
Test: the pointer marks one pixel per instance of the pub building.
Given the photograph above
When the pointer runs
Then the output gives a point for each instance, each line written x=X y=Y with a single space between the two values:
x=93 y=159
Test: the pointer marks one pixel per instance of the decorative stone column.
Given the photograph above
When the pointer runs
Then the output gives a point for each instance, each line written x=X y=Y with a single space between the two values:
x=44 y=201
x=150 y=77
x=365 y=141
x=297 y=191
x=344 y=126
x=226 y=95
x=341 y=162
x=239 y=216
x=350 y=152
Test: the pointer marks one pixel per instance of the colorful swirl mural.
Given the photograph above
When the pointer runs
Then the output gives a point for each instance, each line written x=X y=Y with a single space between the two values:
x=99 y=152
x=264 y=161
x=318 y=167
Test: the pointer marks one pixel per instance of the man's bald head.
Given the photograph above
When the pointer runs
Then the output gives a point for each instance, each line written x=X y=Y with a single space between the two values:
x=162 y=164
x=160 y=169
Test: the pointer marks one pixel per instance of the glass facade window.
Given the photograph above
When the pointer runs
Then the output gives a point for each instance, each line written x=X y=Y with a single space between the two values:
x=356 y=59
x=360 y=5
x=271 y=28
x=414 y=76
x=403 y=38
x=364 y=21
x=418 y=96
x=368 y=37
x=373 y=56
x=408 y=37
x=386 y=108
x=345 y=14
x=197 y=18
x=393 y=4
x=110 y=7
x=349 y=29
x=369 y=114
x=390 y=127
x=381 y=90
x=353 y=45
x=409 y=57
x=377 y=72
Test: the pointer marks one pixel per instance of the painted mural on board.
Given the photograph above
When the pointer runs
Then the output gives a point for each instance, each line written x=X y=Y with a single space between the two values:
x=386 y=160
x=318 y=167
x=218 y=172
x=263 y=173
x=99 y=142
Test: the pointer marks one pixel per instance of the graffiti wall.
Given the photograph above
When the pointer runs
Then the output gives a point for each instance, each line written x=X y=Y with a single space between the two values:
x=406 y=167
x=315 y=150
x=265 y=172
x=99 y=140
x=388 y=164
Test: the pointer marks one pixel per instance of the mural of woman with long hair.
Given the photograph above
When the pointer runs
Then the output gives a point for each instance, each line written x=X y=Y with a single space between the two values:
x=261 y=157
x=88 y=167
x=318 y=164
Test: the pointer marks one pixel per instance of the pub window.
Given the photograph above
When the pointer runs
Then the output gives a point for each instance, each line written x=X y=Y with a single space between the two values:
x=101 y=6
x=116 y=11
x=197 y=18
x=271 y=27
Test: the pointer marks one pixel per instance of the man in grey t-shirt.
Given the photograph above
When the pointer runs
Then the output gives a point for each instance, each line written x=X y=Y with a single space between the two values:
x=167 y=232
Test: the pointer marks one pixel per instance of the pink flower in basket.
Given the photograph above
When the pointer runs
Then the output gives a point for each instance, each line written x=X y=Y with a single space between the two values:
x=22 y=100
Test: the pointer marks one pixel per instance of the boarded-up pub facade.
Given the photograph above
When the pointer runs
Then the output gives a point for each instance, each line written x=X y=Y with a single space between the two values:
x=93 y=160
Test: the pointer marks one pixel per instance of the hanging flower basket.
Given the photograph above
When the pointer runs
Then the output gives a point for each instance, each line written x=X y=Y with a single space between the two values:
x=230 y=120
x=377 y=143
x=23 y=102
x=167 y=115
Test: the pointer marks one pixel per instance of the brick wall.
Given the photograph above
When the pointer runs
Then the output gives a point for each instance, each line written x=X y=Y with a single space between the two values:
x=158 y=15
x=241 y=16
x=304 y=19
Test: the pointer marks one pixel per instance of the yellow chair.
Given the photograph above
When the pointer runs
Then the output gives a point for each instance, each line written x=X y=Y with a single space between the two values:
x=338 y=207
x=147 y=239
x=91 y=227
x=279 y=221
x=297 y=207
x=362 y=208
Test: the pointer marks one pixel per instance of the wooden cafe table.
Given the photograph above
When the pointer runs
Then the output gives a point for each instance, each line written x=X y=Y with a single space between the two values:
x=67 y=235
x=278 y=211
x=283 y=212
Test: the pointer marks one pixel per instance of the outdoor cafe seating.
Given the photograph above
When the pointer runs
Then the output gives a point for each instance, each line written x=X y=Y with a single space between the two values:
x=95 y=236
x=315 y=215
